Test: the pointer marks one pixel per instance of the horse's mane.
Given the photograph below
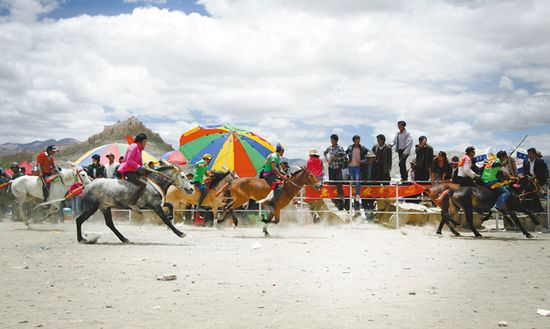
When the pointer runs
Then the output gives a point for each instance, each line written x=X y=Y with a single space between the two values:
x=217 y=176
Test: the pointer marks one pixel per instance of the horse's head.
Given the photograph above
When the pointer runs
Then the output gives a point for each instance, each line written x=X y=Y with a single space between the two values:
x=182 y=182
x=305 y=177
x=81 y=175
x=73 y=175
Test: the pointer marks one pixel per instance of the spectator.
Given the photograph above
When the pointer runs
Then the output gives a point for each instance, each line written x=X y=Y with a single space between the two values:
x=357 y=156
x=76 y=202
x=535 y=167
x=454 y=169
x=111 y=166
x=424 y=160
x=509 y=165
x=336 y=159
x=151 y=165
x=120 y=161
x=368 y=174
x=285 y=168
x=403 y=143
x=315 y=165
x=412 y=173
x=96 y=169
x=441 y=169
x=382 y=160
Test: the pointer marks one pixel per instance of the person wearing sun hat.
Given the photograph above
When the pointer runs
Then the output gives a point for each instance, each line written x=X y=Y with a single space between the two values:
x=110 y=167
x=315 y=165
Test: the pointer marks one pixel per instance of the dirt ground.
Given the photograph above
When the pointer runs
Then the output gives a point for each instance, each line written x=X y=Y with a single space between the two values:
x=353 y=276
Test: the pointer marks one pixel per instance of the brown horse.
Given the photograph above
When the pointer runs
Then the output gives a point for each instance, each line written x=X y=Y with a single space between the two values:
x=215 y=199
x=434 y=192
x=258 y=189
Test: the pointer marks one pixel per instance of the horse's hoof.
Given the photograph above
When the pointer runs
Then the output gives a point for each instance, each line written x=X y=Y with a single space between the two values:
x=84 y=241
x=457 y=234
x=479 y=236
x=438 y=232
x=182 y=235
x=529 y=236
x=126 y=241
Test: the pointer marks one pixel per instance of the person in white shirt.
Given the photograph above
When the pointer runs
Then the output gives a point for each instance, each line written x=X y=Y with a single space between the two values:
x=466 y=175
x=403 y=143
x=110 y=167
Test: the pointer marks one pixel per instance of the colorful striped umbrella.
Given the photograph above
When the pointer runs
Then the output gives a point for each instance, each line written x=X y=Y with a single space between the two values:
x=118 y=149
x=236 y=149
x=175 y=157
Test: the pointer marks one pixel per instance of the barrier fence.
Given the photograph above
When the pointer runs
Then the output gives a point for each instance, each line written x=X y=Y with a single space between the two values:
x=396 y=191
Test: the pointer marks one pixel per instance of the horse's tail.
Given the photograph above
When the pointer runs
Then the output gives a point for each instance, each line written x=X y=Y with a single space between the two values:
x=267 y=198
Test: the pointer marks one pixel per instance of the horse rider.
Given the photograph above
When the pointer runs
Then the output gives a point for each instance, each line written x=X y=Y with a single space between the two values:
x=466 y=174
x=201 y=168
x=46 y=166
x=272 y=173
x=492 y=177
x=132 y=169
x=16 y=171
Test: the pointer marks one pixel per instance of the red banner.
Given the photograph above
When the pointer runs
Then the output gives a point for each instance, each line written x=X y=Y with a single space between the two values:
x=367 y=191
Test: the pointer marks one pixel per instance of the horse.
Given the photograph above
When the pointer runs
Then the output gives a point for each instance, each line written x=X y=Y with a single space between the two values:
x=215 y=197
x=433 y=193
x=481 y=199
x=244 y=189
x=29 y=188
x=104 y=194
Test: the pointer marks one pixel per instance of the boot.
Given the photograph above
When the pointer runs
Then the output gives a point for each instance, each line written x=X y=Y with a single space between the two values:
x=45 y=191
x=201 y=199
x=133 y=201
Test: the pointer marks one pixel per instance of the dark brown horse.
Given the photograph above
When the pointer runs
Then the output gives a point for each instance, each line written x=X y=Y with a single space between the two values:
x=480 y=199
x=244 y=189
x=434 y=193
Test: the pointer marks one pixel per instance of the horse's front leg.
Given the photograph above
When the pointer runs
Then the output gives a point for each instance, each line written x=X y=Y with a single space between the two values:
x=170 y=207
x=158 y=210
x=519 y=224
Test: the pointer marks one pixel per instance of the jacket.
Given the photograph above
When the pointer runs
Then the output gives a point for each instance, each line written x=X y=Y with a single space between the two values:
x=540 y=169
x=132 y=159
x=362 y=157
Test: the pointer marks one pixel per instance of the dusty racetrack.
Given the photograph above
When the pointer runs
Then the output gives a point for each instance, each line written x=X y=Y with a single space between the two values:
x=361 y=276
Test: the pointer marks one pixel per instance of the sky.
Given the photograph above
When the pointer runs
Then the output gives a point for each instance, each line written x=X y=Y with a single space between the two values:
x=464 y=72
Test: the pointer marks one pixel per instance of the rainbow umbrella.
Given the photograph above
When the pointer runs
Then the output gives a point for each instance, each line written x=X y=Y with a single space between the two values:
x=118 y=149
x=175 y=157
x=236 y=149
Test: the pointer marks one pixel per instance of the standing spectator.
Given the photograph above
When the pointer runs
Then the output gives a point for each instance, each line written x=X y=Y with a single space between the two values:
x=403 y=143
x=535 y=167
x=285 y=168
x=357 y=155
x=411 y=173
x=75 y=191
x=315 y=165
x=117 y=174
x=382 y=161
x=454 y=169
x=424 y=160
x=96 y=169
x=441 y=169
x=110 y=168
x=368 y=174
x=509 y=165
x=336 y=159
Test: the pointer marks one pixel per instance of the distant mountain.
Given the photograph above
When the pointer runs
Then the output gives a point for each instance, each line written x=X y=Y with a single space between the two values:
x=115 y=133
x=13 y=148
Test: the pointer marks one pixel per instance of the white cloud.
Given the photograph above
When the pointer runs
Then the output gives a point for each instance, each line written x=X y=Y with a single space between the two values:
x=454 y=71
x=152 y=2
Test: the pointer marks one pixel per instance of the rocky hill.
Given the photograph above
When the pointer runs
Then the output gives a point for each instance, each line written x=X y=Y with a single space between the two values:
x=14 y=148
x=110 y=134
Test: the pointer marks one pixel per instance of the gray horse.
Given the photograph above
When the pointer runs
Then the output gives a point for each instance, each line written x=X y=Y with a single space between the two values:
x=104 y=194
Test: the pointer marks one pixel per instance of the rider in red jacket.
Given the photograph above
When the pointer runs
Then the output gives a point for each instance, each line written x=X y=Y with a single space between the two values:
x=46 y=165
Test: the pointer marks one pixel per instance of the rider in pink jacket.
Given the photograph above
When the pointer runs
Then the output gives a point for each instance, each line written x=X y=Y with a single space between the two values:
x=131 y=168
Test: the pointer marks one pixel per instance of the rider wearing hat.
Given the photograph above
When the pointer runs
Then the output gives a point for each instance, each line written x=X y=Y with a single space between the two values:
x=201 y=168
x=46 y=166
x=493 y=174
x=16 y=171
x=96 y=169
x=272 y=173
x=466 y=175
x=132 y=168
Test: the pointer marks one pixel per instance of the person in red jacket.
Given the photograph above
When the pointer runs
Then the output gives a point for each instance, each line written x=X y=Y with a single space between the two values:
x=315 y=165
x=46 y=166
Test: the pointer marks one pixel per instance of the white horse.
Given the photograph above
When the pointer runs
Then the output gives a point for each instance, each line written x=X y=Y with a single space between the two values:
x=29 y=188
